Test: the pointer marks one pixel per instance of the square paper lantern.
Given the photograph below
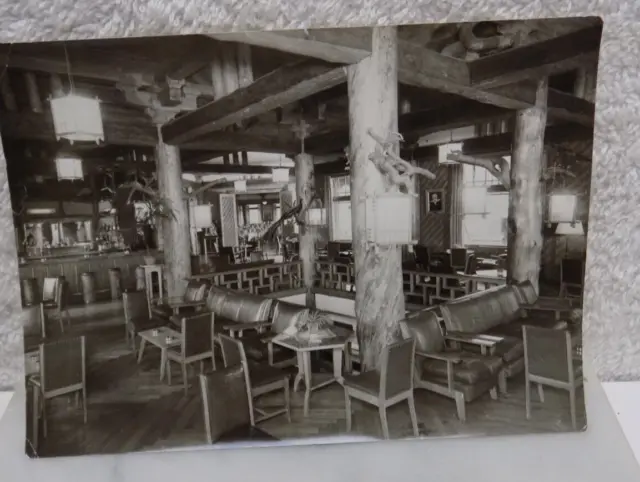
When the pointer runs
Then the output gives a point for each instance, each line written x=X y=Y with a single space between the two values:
x=445 y=149
x=317 y=216
x=201 y=216
x=69 y=168
x=77 y=118
x=570 y=229
x=240 y=185
x=280 y=174
x=562 y=208
x=389 y=219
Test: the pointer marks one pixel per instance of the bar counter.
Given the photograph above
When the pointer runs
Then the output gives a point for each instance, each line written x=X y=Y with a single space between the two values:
x=72 y=267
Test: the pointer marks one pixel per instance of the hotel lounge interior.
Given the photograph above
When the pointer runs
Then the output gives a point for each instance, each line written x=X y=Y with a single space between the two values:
x=264 y=236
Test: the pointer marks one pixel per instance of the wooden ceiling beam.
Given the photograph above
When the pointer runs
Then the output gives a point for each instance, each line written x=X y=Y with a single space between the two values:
x=424 y=68
x=226 y=169
x=541 y=59
x=283 y=86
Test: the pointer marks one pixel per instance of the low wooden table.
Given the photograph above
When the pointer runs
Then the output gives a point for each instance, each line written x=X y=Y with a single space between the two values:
x=555 y=305
x=163 y=338
x=337 y=344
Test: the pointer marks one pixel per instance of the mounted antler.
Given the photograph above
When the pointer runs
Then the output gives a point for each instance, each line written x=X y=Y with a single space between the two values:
x=497 y=166
x=399 y=171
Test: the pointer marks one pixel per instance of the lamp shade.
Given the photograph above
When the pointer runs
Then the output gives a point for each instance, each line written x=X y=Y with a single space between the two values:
x=240 y=185
x=201 y=216
x=445 y=149
x=77 y=118
x=280 y=174
x=69 y=167
x=562 y=208
x=389 y=219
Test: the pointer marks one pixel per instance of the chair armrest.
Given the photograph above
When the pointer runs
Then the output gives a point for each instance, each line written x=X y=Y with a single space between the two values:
x=473 y=338
x=443 y=356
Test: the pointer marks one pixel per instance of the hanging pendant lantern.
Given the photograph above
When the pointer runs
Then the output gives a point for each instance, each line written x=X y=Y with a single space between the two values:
x=77 y=119
x=316 y=214
x=280 y=174
x=69 y=167
x=201 y=216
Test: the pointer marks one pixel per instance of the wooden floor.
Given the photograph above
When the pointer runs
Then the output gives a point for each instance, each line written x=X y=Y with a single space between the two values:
x=129 y=409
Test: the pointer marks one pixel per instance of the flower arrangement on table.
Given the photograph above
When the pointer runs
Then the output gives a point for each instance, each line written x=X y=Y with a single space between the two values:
x=314 y=327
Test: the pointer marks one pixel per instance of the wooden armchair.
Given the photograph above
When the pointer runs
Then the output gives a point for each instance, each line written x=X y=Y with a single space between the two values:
x=450 y=371
x=549 y=360
x=387 y=387
x=56 y=302
x=228 y=407
x=261 y=379
x=571 y=278
x=136 y=316
x=62 y=372
x=197 y=345
x=172 y=309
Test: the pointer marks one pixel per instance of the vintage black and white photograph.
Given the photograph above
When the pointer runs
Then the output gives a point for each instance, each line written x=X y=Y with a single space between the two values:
x=229 y=238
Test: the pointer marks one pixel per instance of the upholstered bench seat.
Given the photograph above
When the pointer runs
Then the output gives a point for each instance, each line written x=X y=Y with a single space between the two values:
x=470 y=369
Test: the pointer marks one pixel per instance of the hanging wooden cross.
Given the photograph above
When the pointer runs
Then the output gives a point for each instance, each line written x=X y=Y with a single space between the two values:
x=398 y=171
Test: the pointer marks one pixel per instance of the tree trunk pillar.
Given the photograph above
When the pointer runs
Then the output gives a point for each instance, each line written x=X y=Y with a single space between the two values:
x=373 y=104
x=305 y=189
x=175 y=228
x=526 y=194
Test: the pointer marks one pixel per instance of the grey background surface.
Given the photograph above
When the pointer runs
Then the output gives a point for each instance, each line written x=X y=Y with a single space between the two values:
x=612 y=306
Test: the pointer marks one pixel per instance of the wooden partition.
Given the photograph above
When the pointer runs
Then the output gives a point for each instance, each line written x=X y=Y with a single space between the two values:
x=420 y=288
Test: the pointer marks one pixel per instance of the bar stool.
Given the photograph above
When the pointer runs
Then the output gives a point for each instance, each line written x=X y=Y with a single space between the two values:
x=115 y=283
x=88 y=287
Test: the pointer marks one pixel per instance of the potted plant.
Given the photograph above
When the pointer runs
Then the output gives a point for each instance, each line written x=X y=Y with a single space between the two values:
x=314 y=327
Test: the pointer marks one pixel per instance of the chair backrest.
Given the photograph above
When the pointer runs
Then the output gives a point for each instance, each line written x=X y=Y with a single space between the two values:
x=195 y=291
x=255 y=256
x=526 y=292
x=547 y=353
x=459 y=257
x=440 y=263
x=197 y=335
x=397 y=367
x=572 y=271
x=135 y=305
x=424 y=327
x=49 y=289
x=472 y=264
x=232 y=351
x=226 y=401
x=333 y=250
x=62 y=365
x=422 y=255
x=286 y=315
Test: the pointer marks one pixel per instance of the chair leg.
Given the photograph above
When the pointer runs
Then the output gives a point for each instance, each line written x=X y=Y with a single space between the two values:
x=383 y=421
x=461 y=407
x=502 y=383
x=527 y=397
x=541 y=392
x=184 y=378
x=287 y=399
x=61 y=322
x=414 y=416
x=169 y=372
x=84 y=403
x=572 y=404
x=347 y=409
x=45 y=425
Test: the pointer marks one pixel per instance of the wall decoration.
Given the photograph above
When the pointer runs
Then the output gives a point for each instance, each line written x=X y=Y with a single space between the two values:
x=435 y=201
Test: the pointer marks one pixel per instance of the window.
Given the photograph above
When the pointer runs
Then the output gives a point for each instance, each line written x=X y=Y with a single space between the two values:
x=278 y=212
x=485 y=208
x=255 y=214
x=341 y=208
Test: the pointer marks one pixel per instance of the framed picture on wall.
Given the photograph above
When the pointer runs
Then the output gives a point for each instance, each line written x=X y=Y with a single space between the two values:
x=435 y=201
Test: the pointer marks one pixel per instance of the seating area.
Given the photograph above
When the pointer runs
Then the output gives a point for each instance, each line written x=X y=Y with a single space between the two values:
x=303 y=240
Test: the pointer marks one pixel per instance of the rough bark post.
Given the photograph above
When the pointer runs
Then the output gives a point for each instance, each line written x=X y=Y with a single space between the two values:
x=373 y=104
x=229 y=68
x=177 y=241
x=305 y=189
x=526 y=199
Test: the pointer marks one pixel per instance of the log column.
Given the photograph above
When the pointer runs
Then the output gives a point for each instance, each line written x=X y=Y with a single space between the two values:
x=373 y=104
x=175 y=228
x=305 y=189
x=526 y=194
